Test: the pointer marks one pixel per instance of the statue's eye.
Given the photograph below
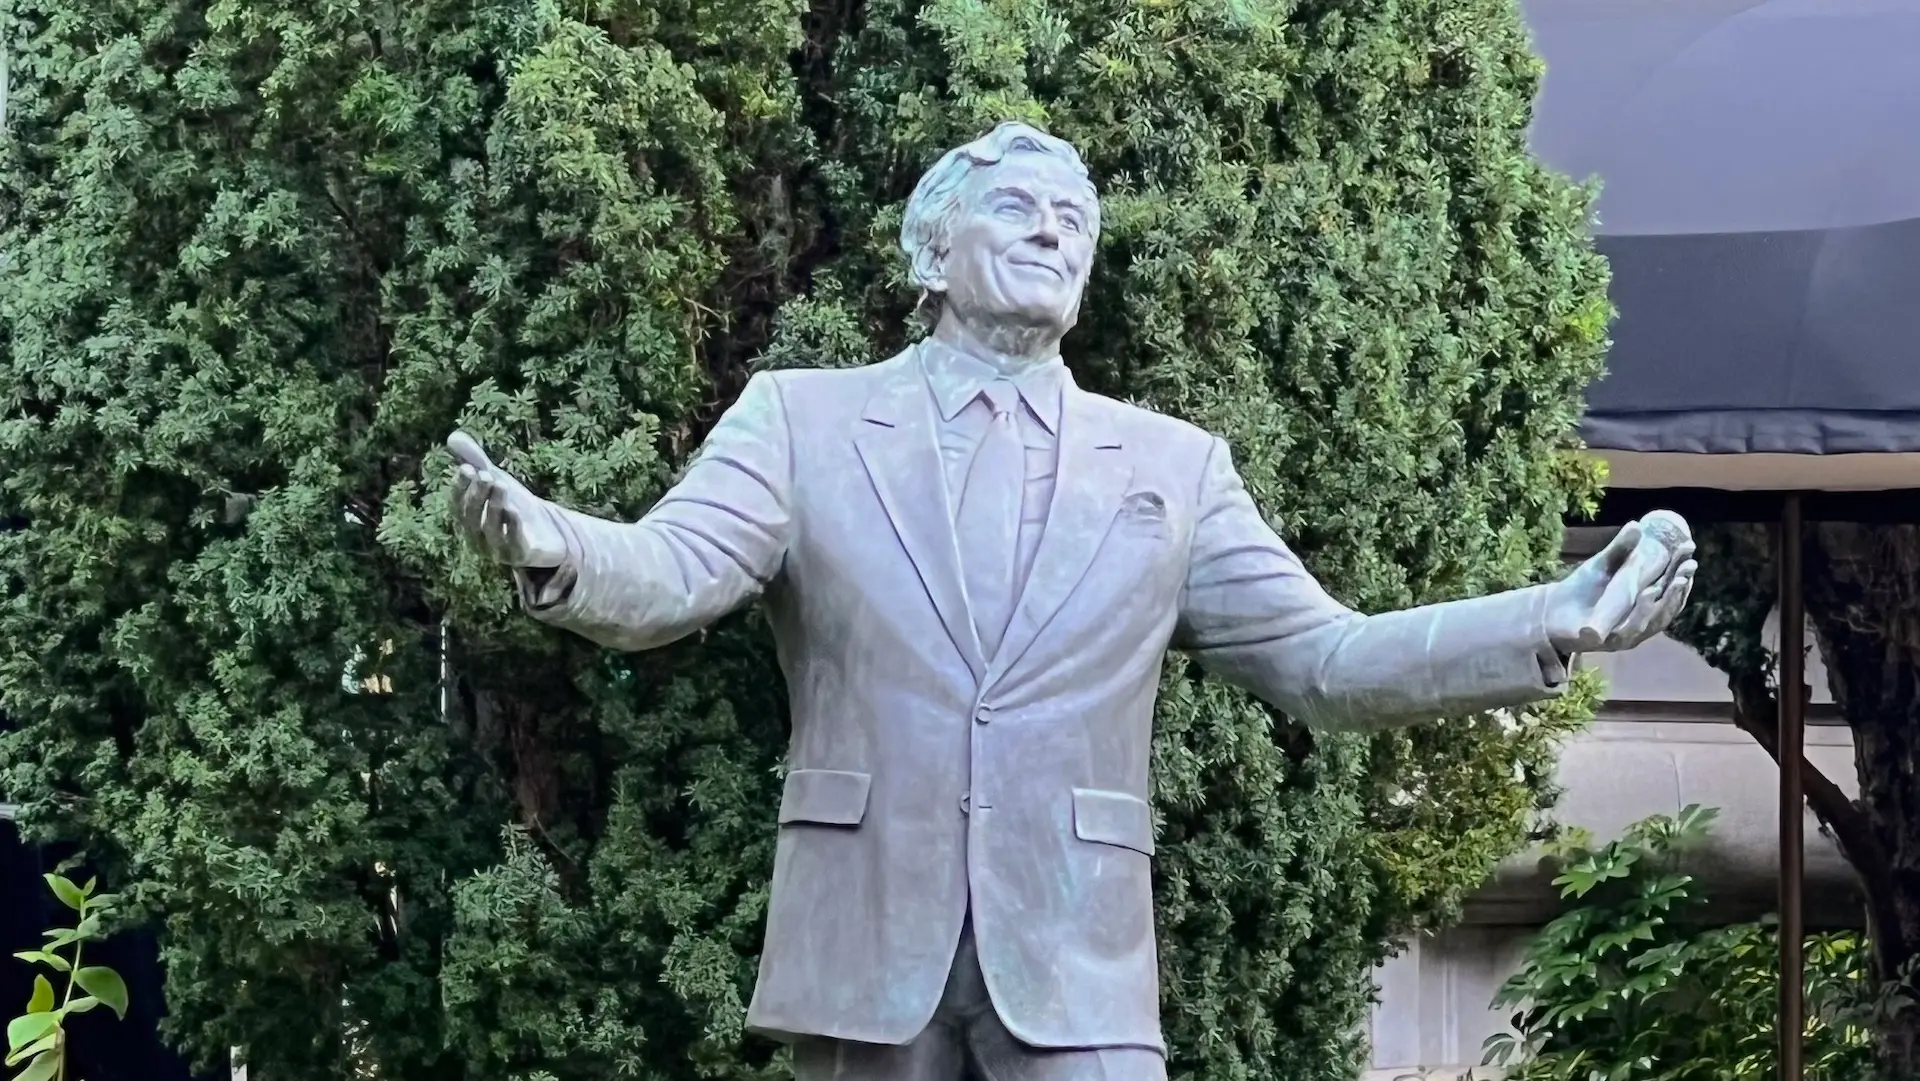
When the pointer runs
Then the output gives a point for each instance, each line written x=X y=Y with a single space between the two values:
x=1011 y=211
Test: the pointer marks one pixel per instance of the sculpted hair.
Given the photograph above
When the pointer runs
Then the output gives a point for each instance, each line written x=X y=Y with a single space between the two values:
x=936 y=199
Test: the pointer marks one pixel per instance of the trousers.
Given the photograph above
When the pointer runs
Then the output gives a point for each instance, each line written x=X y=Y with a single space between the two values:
x=965 y=1041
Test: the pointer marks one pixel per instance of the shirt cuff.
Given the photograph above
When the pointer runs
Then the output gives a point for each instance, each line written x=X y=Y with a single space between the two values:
x=544 y=588
x=1556 y=668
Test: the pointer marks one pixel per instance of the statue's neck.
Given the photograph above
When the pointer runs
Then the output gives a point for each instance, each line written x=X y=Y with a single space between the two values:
x=1009 y=350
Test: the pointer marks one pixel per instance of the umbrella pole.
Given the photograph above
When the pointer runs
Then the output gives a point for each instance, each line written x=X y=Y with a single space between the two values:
x=1792 y=741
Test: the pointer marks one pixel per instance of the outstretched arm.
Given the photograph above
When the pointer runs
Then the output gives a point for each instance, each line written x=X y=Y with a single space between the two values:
x=1254 y=616
x=709 y=546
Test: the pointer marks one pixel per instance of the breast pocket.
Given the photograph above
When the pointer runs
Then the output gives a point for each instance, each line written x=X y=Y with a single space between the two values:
x=1140 y=566
x=1143 y=517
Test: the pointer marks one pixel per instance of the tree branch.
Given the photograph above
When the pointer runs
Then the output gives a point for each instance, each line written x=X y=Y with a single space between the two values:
x=1754 y=710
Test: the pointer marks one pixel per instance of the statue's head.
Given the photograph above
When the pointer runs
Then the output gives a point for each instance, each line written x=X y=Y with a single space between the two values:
x=1001 y=232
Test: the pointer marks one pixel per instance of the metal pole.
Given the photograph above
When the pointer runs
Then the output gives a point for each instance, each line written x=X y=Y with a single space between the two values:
x=1792 y=740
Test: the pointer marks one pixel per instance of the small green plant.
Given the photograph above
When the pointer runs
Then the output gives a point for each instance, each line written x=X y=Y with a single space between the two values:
x=1622 y=987
x=38 y=1037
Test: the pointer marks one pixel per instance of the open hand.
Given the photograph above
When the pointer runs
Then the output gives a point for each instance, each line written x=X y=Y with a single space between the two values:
x=1632 y=590
x=497 y=514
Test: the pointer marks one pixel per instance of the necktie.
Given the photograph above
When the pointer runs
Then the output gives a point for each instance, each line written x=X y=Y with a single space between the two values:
x=988 y=522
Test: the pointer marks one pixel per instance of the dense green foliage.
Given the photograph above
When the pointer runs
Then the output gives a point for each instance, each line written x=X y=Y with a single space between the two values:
x=258 y=257
x=1629 y=984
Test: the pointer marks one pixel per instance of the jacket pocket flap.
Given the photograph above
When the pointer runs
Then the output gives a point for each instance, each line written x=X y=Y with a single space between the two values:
x=827 y=797
x=1113 y=818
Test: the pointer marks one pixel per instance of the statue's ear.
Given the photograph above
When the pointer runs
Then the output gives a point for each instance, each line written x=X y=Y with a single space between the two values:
x=927 y=309
x=930 y=269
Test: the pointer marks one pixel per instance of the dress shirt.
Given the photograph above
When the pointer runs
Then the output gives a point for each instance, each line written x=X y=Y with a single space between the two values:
x=955 y=381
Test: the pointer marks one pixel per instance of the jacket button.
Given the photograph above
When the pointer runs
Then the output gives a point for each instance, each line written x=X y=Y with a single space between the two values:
x=966 y=804
x=984 y=716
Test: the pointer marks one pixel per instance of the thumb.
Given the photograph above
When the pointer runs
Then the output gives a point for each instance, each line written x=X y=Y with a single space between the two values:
x=1620 y=548
x=467 y=451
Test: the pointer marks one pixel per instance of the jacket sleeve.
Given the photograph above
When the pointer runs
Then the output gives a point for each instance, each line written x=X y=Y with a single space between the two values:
x=708 y=547
x=1251 y=614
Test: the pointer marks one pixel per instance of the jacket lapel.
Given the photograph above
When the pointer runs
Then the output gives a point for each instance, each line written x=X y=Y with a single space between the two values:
x=901 y=451
x=1090 y=480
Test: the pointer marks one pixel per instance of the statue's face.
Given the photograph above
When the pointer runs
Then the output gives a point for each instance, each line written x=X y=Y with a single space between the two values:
x=1022 y=245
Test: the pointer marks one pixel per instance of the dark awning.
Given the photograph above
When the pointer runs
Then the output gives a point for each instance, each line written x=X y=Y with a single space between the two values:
x=1760 y=205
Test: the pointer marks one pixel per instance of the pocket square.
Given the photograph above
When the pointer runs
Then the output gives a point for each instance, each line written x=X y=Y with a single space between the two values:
x=1144 y=507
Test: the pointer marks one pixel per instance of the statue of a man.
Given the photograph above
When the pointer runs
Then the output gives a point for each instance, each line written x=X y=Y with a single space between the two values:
x=973 y=569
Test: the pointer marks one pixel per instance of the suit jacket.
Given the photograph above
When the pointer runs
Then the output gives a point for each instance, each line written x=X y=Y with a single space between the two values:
x=925 y=777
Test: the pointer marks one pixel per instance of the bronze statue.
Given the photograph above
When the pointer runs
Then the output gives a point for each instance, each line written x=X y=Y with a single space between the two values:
x=974 y=570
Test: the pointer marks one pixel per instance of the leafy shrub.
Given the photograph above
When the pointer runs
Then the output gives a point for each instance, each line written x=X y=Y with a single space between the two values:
x=37 y=1040
x=1627 y=985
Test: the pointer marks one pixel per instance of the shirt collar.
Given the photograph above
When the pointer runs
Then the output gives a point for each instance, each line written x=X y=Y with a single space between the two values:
x=956 y=379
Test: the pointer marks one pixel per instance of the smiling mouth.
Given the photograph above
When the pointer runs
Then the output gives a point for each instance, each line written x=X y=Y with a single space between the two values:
x=1055 y=271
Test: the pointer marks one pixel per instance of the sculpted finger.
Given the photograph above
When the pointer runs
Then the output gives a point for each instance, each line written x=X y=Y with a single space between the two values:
x=1677 y=564
x=1671 y=602
x=1679 y=593
x=1638 y=626
x=473 y=504
x=1653 y=564
x=1625 y=584
x=1609 y=614
x=462 y=481
x=493 y=525
x=513 y=535
x=1674 y=591
x=1657 y=604
x=1680 y=561
x=1659 y=607
x=468 y=452
x=1620 y=548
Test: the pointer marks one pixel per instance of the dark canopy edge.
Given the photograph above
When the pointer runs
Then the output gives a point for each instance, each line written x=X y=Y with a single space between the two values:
x=1622 y=505
x=1747 y=431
